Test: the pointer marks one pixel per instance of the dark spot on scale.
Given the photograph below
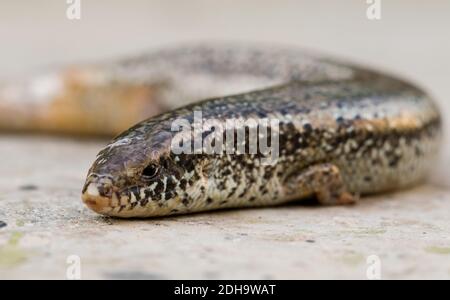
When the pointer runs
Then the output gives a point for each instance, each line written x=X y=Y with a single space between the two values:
x=376 y=162
x=159 y=188
x=394 y=162
x=183 y=183
x=156 y=197
x=135 y=191
x=261 y=114
x=302 y=110
x=236 y=177
x=226 y=172
x=169 y=195
x=174 y=210
x=185 y=202
x=244 y=192
x=264 y=191
x=310 y=241
x=29 y=187
x=221 y=186
x=367 y=178
x=268 y=175
x=209 y=201
x=171 y=184
x=340 y=120
x=189 y=165
x=3 y=224
x=148 y=194
x=144 y=202
x=223 y=202
x=284 y=111
x=233 y=190
x=307 y=127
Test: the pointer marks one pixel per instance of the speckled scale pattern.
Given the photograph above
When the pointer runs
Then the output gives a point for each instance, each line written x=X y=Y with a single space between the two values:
x=378 y=133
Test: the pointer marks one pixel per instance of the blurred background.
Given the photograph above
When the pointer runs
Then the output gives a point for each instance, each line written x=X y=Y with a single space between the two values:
x=411 y=38
x=39 y=185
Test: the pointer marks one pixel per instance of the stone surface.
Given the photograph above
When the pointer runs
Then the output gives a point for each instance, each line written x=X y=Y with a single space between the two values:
x=47 y=223
x=42 y=220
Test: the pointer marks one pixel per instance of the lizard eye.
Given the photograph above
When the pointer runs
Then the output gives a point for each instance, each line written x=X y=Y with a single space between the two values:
x=150 y=171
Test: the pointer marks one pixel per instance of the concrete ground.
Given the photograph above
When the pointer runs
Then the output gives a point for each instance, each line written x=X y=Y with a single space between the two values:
x=42 y=220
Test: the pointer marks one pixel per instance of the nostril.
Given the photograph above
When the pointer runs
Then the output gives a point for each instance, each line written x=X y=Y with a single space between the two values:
x=105 y=190
x=99 y=190
x=95 y=186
